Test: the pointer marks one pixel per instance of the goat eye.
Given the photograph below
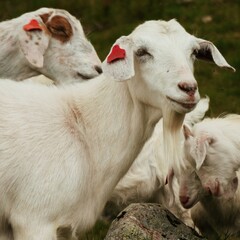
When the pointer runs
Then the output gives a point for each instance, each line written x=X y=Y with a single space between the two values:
x=58 y=30
x=194 y=52
x=142 y=52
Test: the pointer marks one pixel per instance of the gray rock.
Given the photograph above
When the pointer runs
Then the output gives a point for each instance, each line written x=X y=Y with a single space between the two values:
x=147 y=221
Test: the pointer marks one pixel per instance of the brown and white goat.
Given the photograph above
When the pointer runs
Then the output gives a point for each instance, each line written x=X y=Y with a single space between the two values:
x=49 y=42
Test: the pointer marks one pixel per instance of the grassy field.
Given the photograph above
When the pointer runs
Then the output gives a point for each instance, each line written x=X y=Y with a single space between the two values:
x=104 y=21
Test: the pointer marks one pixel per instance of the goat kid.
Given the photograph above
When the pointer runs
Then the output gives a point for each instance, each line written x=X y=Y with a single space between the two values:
x=211 y=179
x=63 y=152
x=50 y=42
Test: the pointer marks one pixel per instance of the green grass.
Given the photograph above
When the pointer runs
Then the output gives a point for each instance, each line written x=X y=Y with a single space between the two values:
x=106 y=20
x=98 y=232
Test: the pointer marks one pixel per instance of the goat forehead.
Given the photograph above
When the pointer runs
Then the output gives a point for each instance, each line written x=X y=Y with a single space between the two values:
x=213 y=130
x=171 y=41
x=52 y=12
x=206 y=127
x=161 y=27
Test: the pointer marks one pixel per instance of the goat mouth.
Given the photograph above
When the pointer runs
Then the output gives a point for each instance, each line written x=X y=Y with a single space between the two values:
x=186 y=105
x=85 y=76
x=189 y=203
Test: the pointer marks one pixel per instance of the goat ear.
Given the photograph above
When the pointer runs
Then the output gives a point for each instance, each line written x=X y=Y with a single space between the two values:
x=119 y=63
x=199 y=150
x=34 y=42
x=209 y=52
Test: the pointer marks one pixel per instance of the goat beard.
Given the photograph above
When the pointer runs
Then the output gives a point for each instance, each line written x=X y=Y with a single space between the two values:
x=172 y=135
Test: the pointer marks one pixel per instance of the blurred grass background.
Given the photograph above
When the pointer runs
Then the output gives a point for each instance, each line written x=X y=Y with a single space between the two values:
x=105 y=20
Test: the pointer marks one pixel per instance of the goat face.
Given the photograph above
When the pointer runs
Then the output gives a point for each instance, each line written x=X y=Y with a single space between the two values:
x=194 y=188
x=209 y=154
x=190 y=189
x=58 y=48
x=158 y=59
x=216 y=174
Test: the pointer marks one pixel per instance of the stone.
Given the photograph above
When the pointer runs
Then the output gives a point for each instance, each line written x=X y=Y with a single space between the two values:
x=149 y=221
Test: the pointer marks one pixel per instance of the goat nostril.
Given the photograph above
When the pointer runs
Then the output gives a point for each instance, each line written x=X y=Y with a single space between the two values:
x=98 y=69
x=184 y=199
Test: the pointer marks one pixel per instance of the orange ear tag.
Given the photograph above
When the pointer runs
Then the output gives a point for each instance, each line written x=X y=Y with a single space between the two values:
x=32 y=25
x=116 y=54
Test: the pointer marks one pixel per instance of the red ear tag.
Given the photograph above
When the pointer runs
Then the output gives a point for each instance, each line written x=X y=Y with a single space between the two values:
x=33 y=25
x=116 y=54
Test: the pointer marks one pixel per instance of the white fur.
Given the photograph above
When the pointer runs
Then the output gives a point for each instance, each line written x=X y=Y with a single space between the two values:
x=216 y=217
x=40 y=79
x=24 y=54
x=213 y=155
x=145 y=180
x=144 y=176
x=64 y=149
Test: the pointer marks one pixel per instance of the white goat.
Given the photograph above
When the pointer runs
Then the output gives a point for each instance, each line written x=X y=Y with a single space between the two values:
x=213 y=155
x=63 y=152
x=47 y=41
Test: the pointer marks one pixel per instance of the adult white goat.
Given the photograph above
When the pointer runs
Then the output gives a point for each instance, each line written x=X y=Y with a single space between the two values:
x=213 y=157
x=47 y=41
x=63 y=152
